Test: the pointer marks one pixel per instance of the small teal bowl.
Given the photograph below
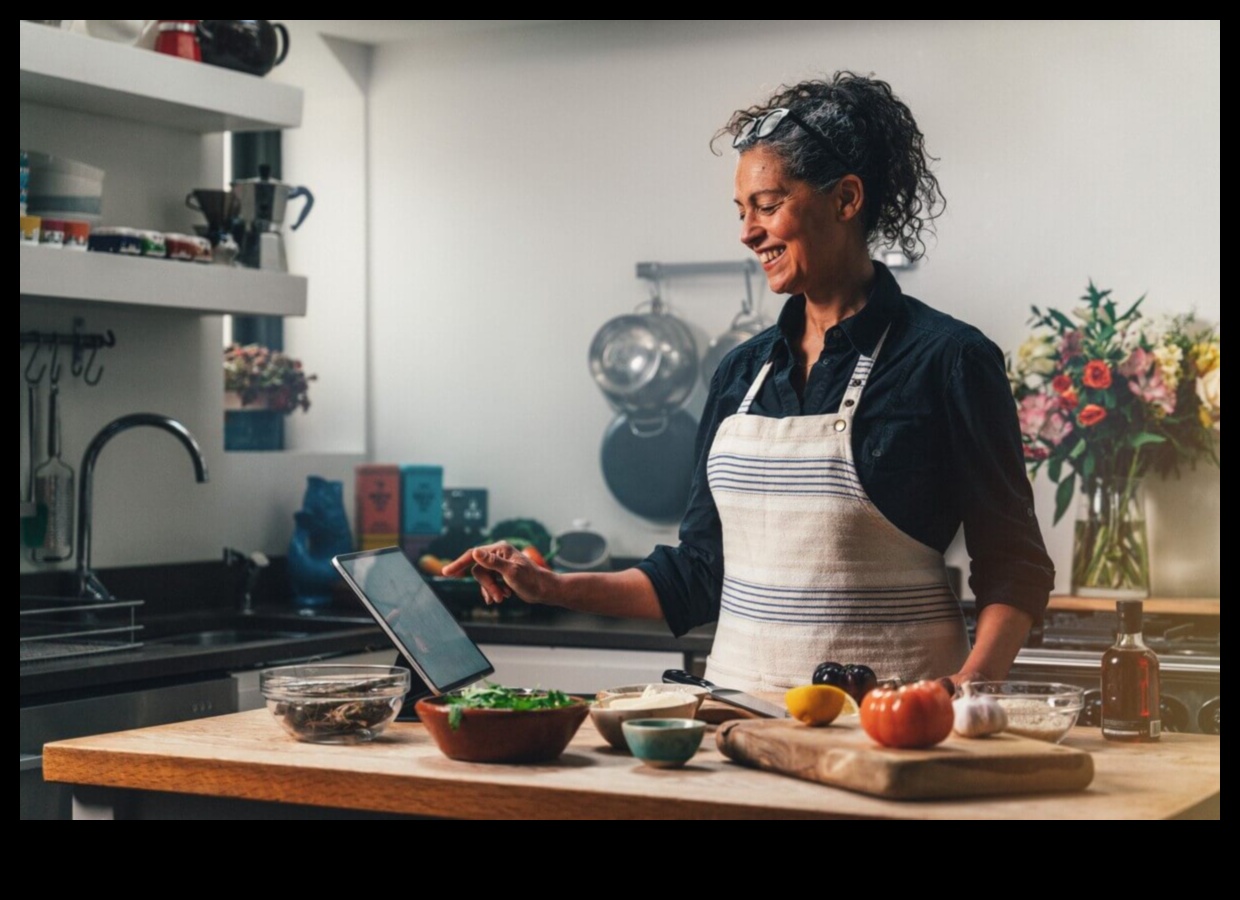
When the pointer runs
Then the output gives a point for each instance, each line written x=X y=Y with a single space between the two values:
x=664 y=743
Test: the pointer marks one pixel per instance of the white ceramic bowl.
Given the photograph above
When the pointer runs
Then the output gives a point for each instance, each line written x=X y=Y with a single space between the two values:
x=608 y=719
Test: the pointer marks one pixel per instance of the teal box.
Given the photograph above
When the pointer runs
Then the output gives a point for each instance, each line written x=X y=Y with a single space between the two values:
x=421 y=490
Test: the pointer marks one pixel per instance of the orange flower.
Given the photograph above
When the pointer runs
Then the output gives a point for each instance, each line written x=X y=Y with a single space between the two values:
x=1069 y=399
x=1097 y=375
x=1092 y=414
x=1061 y=384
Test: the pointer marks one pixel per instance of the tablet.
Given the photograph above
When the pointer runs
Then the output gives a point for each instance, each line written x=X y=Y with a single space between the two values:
x=425 y=632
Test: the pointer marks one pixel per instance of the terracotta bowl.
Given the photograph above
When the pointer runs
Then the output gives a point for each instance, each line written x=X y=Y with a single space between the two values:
x=502 y=735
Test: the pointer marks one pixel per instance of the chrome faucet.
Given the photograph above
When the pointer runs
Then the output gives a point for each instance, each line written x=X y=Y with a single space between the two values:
x=88 y=582
x=254 y=564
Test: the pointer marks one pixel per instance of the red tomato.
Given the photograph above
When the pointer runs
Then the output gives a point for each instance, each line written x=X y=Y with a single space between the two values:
x=912 y=715
x=535 y=557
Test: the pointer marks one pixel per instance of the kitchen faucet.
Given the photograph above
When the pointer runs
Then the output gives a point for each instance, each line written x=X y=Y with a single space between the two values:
x=89 y=585
x=254 y=564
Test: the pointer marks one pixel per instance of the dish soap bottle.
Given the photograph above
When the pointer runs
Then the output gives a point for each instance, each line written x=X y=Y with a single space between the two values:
x=1130 y=681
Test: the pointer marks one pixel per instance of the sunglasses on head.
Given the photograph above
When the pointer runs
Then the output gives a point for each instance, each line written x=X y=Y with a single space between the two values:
x=768 y=123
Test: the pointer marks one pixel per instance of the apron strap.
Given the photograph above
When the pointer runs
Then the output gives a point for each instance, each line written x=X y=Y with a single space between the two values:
x=753 y=389
x=860 y=375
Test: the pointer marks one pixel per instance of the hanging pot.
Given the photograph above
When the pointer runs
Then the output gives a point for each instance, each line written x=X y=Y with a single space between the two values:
x=645 y=363
x=745 y=326
x=648 y=464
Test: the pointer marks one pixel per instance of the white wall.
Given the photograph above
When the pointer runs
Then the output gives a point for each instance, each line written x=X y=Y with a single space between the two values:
x=517 y=177
x=327 y=155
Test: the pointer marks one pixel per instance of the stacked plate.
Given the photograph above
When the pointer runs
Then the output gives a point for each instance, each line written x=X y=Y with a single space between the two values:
x=62 y=188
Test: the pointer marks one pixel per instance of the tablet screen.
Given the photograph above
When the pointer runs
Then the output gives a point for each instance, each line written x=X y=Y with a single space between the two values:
x=407 y=608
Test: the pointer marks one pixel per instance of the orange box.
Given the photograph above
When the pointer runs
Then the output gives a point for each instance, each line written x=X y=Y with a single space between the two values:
x=378 y=501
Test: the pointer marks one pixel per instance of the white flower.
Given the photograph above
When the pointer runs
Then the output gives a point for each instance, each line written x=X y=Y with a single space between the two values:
x=1037 y=355
x=1209 y=392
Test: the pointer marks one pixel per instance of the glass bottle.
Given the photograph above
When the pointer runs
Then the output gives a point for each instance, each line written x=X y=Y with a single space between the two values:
x=1130 y=681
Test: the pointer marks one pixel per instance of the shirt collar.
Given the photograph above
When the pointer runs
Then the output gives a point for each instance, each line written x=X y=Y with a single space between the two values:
x=864 y=329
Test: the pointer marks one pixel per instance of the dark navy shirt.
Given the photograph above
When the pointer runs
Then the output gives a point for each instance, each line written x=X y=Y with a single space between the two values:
x=935 y=439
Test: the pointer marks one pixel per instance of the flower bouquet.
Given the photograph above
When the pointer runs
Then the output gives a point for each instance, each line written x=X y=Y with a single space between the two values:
x=266 y=378
x=1106 y=397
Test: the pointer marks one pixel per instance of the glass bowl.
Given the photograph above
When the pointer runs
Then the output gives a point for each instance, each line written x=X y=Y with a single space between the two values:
x=334 y=703
x=1043 y=710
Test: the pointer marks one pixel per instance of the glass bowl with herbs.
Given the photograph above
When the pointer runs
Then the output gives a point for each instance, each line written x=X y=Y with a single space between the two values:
x=334 y=703
x=490 y=723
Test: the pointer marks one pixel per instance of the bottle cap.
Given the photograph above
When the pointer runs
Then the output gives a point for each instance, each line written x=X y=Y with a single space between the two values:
x=1130 y=614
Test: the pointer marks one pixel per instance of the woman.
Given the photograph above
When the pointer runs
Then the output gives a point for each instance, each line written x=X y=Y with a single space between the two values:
x=841 y=449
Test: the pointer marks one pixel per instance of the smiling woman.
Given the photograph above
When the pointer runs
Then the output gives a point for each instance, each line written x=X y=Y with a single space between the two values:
x=840 y=450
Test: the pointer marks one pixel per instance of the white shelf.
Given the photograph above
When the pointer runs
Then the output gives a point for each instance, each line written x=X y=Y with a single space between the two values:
x=74 y=71
x=48 y=274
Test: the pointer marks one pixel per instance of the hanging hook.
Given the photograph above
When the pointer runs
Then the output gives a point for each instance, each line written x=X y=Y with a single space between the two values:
x=55 y=370
x=86 y=370
x=76 y=368
x=35 y=379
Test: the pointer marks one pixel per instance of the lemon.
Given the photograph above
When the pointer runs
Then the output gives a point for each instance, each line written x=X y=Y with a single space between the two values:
x=818 y=704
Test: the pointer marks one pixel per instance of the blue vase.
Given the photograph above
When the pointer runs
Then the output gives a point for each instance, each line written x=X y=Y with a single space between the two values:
x=320 y=531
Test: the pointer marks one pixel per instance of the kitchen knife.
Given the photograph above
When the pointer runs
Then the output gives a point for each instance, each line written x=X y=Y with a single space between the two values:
x=739 y=699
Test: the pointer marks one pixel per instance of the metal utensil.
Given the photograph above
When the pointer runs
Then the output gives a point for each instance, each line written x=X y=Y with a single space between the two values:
x=645 y=363
x=53 y=488
x=739 y=699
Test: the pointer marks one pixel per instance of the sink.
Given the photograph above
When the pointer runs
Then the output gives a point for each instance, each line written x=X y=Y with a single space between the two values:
x=226 y=627
x=223 y=636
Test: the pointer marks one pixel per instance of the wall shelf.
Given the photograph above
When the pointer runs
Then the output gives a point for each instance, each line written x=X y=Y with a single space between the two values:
x=77 y=72
x=47 y=274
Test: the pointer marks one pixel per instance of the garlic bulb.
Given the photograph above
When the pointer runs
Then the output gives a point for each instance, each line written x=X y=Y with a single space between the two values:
x=977 y=715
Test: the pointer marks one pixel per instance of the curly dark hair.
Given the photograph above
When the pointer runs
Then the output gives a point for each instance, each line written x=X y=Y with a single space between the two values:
x=874 y=136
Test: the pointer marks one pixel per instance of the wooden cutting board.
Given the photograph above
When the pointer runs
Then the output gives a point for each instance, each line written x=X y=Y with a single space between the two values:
x=842 y=755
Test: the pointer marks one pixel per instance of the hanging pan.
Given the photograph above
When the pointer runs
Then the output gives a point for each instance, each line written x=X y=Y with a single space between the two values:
x=648 y=464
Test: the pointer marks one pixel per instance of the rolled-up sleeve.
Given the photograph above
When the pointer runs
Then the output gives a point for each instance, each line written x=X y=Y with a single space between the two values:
x=1008 y=559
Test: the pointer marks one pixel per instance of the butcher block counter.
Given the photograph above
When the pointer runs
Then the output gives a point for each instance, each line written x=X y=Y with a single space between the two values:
x=243 y=765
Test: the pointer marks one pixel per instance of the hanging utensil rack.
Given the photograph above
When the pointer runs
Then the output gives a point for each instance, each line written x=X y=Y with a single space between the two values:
x=81 y=364
x=657 y=272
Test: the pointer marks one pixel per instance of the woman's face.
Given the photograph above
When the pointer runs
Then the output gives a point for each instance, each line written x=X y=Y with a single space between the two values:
x=796 y=231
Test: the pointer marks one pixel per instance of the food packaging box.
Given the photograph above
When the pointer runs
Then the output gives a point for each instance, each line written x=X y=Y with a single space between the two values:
x=378 y=541
x=377 y=487
x=465 y=508
x=421 y=499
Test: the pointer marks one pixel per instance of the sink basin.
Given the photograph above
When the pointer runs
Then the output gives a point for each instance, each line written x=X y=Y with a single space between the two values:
x=225 y=628
x=223 y=636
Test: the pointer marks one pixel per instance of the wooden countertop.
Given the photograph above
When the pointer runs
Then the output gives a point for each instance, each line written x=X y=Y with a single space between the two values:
x=246 y=755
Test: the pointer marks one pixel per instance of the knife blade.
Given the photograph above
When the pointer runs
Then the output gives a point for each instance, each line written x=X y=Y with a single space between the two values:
x=732 y=697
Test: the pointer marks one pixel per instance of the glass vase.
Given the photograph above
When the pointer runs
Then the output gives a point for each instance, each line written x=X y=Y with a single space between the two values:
x=1110 y=550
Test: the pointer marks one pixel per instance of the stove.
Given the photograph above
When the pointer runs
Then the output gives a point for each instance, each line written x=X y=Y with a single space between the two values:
x=1068 y=647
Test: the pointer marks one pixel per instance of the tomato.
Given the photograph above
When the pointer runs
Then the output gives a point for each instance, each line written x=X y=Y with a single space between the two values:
x=534 y=556
x=912 y=715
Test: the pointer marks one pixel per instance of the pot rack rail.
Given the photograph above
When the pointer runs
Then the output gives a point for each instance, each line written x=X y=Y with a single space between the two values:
x=80 y=364
x=656 y=272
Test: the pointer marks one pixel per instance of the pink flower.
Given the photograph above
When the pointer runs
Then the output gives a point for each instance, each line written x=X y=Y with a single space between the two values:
x=1032 y=413
x=1070 y=346
x=1138 y=363
x=1057 y=428
x=1152 y=389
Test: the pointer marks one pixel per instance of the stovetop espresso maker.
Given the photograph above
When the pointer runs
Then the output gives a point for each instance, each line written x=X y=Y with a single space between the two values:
x=262 y=202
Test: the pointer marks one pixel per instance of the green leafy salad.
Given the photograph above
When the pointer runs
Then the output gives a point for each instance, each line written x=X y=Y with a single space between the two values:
x=494 y=696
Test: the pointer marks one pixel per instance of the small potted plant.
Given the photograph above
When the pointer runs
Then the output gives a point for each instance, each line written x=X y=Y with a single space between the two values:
x=261 y=387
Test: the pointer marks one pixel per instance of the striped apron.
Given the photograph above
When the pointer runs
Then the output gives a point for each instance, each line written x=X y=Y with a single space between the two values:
x=812 y=570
